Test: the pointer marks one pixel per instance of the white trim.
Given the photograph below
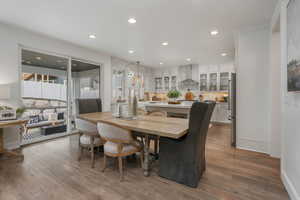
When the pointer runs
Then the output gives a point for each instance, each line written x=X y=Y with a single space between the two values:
x=283 y=37
x=252 y=145
x=289 y=186
x=12 y=145
x=47 y=137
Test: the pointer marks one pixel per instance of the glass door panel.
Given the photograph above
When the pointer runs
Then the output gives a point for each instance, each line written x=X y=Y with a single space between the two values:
x=44 y=95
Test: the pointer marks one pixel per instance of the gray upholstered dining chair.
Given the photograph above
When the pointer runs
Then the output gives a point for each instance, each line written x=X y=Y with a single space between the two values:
x=88 y=133
x=187 y=164
x=119 y=144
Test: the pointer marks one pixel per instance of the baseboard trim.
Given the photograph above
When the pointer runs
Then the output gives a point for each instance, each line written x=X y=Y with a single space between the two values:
x=252 y=145
x=11 y=145
x=289 y=186
x=48 y=137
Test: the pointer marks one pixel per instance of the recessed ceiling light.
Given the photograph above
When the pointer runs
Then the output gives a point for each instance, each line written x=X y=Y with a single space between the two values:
x=214 y=32
x=131 y=20
x=165 y=43
x=188 y=59
x=131 y=51
x=161 y=63
x=91 y=36
x=223 y=54
x=38 y=58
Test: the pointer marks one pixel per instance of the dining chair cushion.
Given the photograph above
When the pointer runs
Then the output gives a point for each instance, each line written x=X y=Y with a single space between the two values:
x=113 y=132
x=111 y=147
x=86 y=140
x=85 y=126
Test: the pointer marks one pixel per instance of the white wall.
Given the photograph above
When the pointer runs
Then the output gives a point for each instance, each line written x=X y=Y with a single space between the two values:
x=290 y=159
x=11 y=38
x=252 y=89
x=275 y=96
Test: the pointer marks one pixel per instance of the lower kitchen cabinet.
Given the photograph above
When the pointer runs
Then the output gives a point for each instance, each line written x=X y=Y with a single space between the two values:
x=221 y=113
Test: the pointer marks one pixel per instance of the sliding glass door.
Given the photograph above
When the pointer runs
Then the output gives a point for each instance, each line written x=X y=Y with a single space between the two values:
x=85 y=82
x=44 y=86
x=50 y=85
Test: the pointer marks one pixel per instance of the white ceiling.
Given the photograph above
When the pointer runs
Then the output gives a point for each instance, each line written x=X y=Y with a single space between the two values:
x=185 y=24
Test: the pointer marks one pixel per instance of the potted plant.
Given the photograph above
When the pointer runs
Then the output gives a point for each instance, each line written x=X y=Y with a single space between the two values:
x=20 y=112
x=173 y=95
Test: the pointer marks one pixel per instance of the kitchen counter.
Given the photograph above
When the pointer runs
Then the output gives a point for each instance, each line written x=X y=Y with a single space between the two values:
x=220 y=113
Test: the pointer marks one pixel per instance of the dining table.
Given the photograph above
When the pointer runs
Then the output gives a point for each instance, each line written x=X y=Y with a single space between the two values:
x=11 y=123
x=169 y=127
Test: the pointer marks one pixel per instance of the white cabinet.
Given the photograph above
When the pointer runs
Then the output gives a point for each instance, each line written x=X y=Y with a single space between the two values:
x=221 y=113
x=217 y=76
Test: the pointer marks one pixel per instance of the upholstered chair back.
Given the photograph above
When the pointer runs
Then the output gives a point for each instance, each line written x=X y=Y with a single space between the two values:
x=188 y=164
x=113 y=133
x=200 y=116
x=88 y=105
x=85 y=126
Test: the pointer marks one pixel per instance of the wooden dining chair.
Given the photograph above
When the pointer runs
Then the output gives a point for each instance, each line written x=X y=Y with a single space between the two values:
x=156 y=138
x=119 y=144
x=141 y=111
x=88 y=133
x=89 y=138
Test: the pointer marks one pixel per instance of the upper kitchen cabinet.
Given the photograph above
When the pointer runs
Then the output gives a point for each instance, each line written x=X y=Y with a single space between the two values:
x=224 y=80
x=215 y=77
x=167 y=83
x=203 y=82
x=213 y=81
x=158 y=84
x=173 y=82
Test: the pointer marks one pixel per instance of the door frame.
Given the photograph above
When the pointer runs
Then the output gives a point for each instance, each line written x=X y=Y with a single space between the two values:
x=69 y=76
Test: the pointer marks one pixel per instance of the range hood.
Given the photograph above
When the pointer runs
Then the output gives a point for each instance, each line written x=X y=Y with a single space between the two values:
x=187 y=81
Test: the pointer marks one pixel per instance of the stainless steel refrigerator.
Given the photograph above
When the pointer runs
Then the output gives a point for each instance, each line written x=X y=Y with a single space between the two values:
x=232 y=107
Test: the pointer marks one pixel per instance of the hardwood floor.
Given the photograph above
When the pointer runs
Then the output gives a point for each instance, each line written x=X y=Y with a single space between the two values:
x=51 y=171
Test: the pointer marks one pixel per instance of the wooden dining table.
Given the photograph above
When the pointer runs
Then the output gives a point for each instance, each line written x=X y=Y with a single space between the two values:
x=10 y=123
x=168 y=127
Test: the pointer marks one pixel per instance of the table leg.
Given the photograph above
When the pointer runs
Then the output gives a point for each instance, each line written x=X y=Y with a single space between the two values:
x=146 y=157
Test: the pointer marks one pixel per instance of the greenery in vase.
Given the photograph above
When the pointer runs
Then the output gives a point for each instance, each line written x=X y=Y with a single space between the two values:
x=20 y=111
x=174 y=94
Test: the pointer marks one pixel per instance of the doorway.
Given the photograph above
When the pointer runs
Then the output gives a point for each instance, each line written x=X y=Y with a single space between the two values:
x=50 y=83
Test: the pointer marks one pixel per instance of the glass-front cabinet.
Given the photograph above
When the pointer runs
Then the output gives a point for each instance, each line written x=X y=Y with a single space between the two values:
x=158 y=83
x=173 y=83
x=224 y=78
x=213 y=81
x=203 y=82
x=167 y=83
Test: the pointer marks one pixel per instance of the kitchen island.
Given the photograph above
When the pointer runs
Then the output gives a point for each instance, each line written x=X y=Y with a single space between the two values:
x=220 y=114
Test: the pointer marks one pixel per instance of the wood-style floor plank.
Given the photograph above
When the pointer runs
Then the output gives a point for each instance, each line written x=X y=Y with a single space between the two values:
x=51 y=171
